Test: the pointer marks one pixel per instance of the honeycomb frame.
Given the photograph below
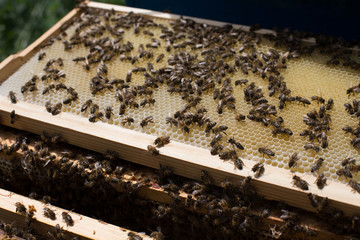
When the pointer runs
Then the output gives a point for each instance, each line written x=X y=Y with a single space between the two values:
x=251 y=144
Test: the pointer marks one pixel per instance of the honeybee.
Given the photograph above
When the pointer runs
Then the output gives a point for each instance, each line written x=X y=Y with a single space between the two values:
x=108 y=112
x=48 y=89
x=258 y=169
x=127 y=120
x=317 y=165
x=244 y=70
x=318 y=98
x=12 y=97
x=300 y=183
x=216 y=139
x=122 y=109
x=312 y=146
x=215 y=150
x=95 y=117
x=171 y=121
x=302 y=100
x=12 y=117
x=221 y=128
x=55 y=110
x=216 y=93
x=238 y=163
x=241 y=82
x=147 y=101
x=59 y=74
x=60 y=62
x=349 y=108
x=102 y=69
x=48 y=106
x=70 y=99
x=206 y=178
x=348 y=129
x=321 y=181
x=159 y=235
x=225 y=155
x=67 y=219
x=41 y=55
x=160 y=57
x=330 y=104
x=354 y=185
x=344 y=172
x=353 y=89
x=20 y=208
x=266 y=151
x=239 y=117
x=146 y=121
x=94 y=108
x=78 y=59
x=235 y=143
x=132 y=235
x=128 y=76
x=49 y=213
x=209 y=126
x=50 y=63
x=86 y=64
x=148 y=32
x=348 y=161
x=282 y=130
x=60 y=86
x=161 y=141
x=153 y=150
x=86 y=105
x=313 y=200
x=293 y=159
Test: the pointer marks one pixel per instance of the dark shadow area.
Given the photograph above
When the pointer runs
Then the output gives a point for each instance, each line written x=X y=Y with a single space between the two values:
x=337 y=18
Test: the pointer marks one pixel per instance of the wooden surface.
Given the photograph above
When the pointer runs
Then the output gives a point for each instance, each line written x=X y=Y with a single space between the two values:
x=187 y=161
x=84 y=227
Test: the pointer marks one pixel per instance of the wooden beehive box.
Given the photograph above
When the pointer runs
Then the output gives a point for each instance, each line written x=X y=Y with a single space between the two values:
x=188 y=153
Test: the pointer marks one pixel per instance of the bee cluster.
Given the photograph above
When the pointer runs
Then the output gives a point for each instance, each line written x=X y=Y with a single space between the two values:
x=8 y=231
x=54 y=172
x=349 y=164
x=319 y=124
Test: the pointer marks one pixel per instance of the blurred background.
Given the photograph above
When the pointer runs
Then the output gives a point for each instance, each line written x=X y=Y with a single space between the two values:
x=23 y=21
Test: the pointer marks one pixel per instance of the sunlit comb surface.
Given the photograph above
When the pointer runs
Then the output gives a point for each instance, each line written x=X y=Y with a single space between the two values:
x=305 y=76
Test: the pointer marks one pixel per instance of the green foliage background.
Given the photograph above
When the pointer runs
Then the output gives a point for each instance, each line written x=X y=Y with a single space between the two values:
x=23 y=21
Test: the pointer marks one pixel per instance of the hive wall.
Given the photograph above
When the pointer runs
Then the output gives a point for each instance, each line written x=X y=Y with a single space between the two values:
x=306 y=76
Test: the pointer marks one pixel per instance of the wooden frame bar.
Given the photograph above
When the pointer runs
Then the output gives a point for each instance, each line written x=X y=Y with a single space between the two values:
x=84 y=227
x=276 y=184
